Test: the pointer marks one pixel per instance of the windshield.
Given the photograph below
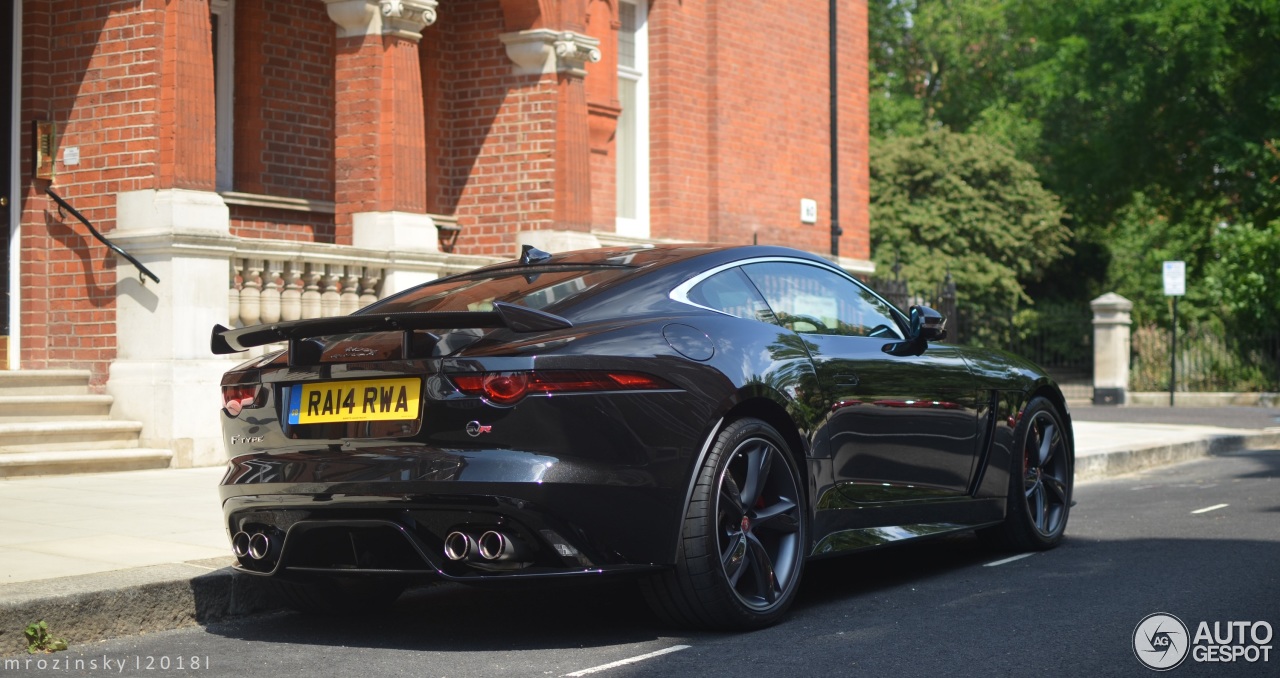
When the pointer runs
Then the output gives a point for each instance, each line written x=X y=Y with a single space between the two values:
x=536 y=288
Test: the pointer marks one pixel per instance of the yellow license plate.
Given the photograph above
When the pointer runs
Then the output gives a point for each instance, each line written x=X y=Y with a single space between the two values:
x=365 y=400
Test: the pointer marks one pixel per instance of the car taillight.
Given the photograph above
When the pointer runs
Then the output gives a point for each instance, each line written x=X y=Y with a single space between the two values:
x=236 y=397
x=506 y=388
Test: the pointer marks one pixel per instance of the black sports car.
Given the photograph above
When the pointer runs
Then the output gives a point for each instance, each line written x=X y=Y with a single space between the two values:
x=704 y=418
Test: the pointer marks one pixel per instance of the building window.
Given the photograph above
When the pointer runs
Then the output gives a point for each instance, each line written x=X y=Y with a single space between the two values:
x=632 y=141
x=221 y=20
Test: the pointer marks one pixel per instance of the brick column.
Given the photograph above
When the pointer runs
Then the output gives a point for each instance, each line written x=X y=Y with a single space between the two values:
x=559 y=59
x=164 y=375
x=573 y=154
x=603 y=109
x=380 y=152
x=188 y=156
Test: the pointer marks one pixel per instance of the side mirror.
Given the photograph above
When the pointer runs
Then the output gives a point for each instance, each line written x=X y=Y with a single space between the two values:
x=927 y=324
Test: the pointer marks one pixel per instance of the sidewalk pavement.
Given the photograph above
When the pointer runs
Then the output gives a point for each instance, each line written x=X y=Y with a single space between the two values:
x=110 y=554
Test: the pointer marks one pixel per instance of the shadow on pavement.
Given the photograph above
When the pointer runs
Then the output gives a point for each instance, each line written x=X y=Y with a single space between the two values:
x=1096 y=586
x=457 y=618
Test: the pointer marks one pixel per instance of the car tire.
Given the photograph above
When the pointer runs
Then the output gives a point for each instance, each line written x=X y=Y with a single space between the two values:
x=744 y=538
x=1040 y=483
x=337 y=596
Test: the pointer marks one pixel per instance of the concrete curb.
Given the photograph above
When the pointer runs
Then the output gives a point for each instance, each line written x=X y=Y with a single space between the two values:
x=1130 y=460
x=96 y=607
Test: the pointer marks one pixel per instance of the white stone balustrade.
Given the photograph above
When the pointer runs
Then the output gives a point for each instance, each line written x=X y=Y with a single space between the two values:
x=269 y=291
x=271 y=281
x=164 y=374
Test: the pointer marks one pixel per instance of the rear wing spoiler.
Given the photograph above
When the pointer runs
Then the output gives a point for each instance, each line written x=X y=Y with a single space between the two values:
x=515 y=318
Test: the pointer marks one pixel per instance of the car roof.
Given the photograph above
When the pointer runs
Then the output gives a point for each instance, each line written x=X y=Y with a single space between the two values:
x=645 y=256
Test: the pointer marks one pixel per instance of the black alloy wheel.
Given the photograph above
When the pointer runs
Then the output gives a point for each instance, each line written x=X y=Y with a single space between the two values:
x=1046 y=480
x=743 y=547
x=1040 y=483
x=759 y=523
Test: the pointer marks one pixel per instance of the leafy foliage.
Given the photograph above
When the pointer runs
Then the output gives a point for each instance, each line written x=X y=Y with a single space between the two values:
x=1156 y=122
x=946 y=63
x=945 y=202
x=1174 y=94
x=41 y=641
x=1245 y=276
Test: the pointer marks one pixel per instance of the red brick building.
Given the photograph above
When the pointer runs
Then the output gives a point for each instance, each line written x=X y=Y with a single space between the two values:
x=276 y=159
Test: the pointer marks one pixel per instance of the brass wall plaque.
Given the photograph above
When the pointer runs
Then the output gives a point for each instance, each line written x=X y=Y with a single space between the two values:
x=46 y=148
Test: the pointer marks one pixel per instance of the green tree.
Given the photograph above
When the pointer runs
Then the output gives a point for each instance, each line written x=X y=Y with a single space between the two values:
x=1157 y=122
x=1141 y=237
x=948 y=63
x=1180 y=95
x=1244 y=276
x=963 y=203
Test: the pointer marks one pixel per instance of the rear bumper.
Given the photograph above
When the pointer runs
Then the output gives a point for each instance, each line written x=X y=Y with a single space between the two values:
x=389 y=510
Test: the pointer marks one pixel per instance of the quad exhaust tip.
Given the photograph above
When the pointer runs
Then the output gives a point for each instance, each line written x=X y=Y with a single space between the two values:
x=459 y=546
x=240 y=544
x=496 y=546
x=255 y=546
x=259 y=546
x=491 y=546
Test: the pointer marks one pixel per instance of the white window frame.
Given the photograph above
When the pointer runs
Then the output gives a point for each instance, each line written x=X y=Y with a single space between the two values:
x=224 y=91
x=638 y=227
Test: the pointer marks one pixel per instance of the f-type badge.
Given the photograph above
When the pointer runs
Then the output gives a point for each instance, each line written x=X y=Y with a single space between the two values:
x=475 y=428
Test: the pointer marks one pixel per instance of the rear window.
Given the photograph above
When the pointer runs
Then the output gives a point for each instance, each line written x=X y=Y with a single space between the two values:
x=731 y=292
x=541 y=289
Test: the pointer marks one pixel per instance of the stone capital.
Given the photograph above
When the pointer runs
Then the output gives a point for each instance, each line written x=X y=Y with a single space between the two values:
x=1111 y=309
x=401 y=18
x=407 y=18
x=542 y=50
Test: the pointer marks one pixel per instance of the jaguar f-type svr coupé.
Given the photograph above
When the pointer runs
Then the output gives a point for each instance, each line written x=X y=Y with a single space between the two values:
x=703 y=418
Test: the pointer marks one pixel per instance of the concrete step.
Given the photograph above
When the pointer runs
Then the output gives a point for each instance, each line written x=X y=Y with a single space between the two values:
x=44 y=382
x=82 y=461
x=53 y=436
x=20 y=408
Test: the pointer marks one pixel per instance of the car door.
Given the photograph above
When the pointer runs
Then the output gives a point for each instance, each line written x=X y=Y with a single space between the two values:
x=901 y=427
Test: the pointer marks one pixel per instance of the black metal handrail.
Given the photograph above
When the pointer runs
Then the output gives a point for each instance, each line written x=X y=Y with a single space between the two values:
x=63 y=204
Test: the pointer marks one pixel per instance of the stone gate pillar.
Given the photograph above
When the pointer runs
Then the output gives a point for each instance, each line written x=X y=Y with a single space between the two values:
x=1111 y=327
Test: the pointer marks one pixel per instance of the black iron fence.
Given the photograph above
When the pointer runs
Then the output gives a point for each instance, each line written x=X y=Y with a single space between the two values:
x=1059 y=338
x=1209 y=359
x=941 y=298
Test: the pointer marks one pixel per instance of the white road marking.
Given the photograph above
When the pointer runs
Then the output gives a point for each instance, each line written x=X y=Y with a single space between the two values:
x=1215 y=507
x=624 y=662
x=1010 y=559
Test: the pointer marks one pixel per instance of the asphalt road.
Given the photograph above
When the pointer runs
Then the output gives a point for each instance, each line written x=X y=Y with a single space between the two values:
x=1136 y=546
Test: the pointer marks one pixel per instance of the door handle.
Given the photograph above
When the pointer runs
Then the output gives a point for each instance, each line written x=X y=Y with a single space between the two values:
x=846 y=380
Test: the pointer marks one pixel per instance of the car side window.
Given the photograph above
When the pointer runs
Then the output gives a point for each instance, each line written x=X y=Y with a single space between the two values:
x=730 y=291
x=813 y=300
